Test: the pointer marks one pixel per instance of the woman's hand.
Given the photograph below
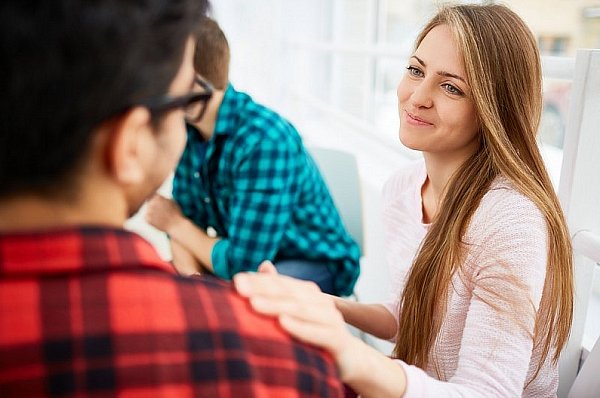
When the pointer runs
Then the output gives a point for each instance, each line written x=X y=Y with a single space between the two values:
x=162 y=213
x=311 y=316
x=302 y=309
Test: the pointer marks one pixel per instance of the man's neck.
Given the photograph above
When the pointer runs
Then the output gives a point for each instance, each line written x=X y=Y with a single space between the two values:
x=33 y=212
x=206 y=126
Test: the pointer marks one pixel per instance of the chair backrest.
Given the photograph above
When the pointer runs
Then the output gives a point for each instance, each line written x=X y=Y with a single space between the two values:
x=579 y=192
x=587 y=382
x=340 y=171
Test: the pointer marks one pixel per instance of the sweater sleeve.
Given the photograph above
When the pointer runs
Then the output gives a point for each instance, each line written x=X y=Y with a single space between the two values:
x=504 y=275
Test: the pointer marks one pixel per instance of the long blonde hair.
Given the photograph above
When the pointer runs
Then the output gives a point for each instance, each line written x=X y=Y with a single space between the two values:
x=503 y=69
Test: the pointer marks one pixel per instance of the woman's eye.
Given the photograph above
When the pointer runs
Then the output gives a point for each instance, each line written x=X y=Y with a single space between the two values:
x=451 y=89
x=414 y=71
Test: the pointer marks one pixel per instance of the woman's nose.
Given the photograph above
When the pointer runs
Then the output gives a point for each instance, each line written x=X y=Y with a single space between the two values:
x=421 y=95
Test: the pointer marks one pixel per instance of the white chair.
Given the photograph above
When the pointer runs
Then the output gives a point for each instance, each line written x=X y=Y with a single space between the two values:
x=579 y=192
x=587 y=382
x=340 y=171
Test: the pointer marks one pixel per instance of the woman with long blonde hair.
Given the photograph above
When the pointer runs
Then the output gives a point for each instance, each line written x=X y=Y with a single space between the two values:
x=478 y=248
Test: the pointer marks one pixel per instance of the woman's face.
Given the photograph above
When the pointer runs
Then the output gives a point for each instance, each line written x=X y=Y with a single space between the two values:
x=437 y=114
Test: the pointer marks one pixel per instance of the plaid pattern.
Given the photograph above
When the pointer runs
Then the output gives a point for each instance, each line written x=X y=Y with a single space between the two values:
x=254 y=183
x=95 y=312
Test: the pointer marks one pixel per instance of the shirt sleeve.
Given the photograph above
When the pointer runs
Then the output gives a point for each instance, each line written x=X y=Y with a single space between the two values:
x=261 y=204
x=181 y=181
x=507 y=280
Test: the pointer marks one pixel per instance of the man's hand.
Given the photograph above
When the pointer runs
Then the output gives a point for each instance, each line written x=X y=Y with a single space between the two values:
x=163 y=213
x=267 y=267
x=191 y=246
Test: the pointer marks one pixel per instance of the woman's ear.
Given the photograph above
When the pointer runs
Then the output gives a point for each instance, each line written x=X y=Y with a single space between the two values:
x=125 y=149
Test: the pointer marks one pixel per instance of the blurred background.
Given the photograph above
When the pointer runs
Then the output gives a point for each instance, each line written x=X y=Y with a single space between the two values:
x=316 y=59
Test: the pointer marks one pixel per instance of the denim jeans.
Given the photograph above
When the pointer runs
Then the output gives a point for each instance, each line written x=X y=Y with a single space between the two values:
x=307 y=270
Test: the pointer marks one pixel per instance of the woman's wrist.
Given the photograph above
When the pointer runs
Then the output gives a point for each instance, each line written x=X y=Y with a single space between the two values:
x=370 y=373
x=348 y=359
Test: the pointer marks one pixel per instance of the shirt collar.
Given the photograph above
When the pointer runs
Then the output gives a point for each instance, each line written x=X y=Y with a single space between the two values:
x=228 y=111
x=72 y=249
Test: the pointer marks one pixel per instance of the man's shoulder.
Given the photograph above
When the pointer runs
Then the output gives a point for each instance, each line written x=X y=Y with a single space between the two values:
x=177 y=324
x=223 y=322
x=253 y=117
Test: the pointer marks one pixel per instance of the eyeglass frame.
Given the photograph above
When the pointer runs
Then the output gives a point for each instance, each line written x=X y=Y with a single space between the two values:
x=166 y=103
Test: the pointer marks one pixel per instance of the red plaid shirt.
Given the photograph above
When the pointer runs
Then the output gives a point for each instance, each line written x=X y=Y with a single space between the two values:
x=95 y=312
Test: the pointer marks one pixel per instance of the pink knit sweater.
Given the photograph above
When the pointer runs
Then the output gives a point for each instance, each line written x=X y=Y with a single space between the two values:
x=485 y=345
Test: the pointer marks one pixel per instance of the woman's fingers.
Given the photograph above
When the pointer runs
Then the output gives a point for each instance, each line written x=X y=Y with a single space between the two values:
x=327 y=336
x=274 y=285
x=321 y=312
x=307 y=309
x=302 y=310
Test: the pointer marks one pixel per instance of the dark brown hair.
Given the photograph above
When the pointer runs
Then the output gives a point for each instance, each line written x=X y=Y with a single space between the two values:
x=211 y=59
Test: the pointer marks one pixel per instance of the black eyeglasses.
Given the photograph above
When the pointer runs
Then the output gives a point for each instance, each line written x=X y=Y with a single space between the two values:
x=193 y=103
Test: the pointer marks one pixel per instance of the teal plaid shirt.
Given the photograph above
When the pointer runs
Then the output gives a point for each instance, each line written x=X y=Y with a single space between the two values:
x=255 y=184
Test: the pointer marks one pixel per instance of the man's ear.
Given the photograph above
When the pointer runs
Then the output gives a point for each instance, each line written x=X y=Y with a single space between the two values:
x=125 y=147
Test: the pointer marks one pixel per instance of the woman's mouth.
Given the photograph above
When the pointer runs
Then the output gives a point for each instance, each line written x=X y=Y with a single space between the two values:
x=416 y=120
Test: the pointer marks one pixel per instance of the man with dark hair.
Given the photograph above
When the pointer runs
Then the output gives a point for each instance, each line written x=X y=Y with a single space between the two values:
x=94 y=96
x=246 y=177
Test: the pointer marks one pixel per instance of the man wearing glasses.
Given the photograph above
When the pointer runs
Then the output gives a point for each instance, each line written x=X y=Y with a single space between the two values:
x=93 y=100
x=246 y=190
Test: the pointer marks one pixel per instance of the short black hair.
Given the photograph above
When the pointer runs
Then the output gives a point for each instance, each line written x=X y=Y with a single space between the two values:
x=66 y=66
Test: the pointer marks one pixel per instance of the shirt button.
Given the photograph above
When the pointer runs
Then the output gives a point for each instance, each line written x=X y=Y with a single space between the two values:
x=207 y=200
x=196 y=175
x=211 y=232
